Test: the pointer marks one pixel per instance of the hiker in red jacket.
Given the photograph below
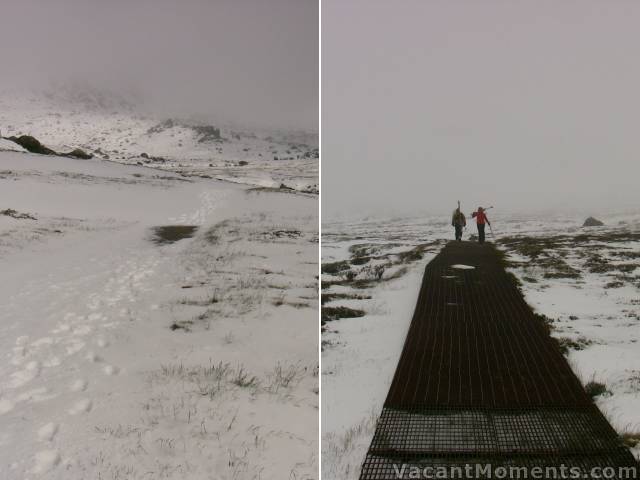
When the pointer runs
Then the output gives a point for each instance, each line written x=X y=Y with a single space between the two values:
x=481 y=219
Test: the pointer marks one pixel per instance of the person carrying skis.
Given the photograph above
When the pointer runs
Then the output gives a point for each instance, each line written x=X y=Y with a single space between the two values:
x=458 y=221
x=481 y=219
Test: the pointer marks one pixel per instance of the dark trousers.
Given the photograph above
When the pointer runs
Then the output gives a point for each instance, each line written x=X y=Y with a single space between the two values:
x=458 y=232
x=481 y=232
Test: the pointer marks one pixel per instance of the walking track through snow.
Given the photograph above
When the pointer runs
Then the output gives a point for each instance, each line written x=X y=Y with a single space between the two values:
x=87 y=300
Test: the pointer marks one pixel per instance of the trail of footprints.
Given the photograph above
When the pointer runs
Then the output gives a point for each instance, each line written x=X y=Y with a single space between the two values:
x=71 y=336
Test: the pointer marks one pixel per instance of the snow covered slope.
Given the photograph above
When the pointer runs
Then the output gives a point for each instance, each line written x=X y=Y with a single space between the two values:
x=154 y=326
x=9 y=146
x=118 y=129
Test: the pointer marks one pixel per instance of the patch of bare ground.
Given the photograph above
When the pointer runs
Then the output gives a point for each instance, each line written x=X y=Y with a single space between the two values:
x=369 y=265
x=572 y=256
x=224 y=278
x=167 y=234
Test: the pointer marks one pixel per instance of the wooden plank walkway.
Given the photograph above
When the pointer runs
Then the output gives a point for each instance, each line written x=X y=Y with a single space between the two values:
x=480 y=381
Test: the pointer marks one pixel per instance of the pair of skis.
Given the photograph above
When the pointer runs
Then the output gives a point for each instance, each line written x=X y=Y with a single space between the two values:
x=490 y=229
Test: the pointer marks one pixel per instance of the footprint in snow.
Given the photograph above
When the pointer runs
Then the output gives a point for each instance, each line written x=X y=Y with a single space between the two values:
x=47 y=432
x=22 y=377
x=61 y=328
x=94 y=357
x=74 y=346
x=6 y=405
x=45 y=461
x=81 y=406
x=19 y=355
x=94 y=317
x=52 y=362
x=82 y=330
x=42 y=341
x=110 y=370
x=79 y=385
x=40 y=394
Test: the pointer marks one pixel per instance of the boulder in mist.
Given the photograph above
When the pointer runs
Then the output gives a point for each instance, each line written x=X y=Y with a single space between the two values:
x=207 y=133
x=592 y=222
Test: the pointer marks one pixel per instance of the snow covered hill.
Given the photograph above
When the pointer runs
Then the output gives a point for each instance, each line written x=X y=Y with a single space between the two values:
x=113 y=127
x=153 y=325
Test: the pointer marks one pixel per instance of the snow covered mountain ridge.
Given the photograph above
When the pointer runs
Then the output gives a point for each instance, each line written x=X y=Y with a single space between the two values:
x=117 y=127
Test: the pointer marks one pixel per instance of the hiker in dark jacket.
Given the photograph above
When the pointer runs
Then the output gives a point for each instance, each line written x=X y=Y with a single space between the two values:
x=481 y=219
x=458 y=221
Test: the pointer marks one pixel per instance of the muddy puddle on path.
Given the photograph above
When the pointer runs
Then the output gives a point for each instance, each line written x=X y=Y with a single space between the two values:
x=166 y=234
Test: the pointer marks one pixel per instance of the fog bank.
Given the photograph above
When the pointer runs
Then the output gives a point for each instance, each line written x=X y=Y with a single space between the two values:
x=529 y=106
x=247 y=60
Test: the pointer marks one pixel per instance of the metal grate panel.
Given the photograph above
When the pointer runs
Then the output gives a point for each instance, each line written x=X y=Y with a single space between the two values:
x=385 y=468
x=440 y=431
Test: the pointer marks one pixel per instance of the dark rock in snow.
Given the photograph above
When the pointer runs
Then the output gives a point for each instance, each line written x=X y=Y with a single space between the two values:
x=207 y=133
x=79 y=153
x=31 y=144
x=10 y=212
x=592 y=222
x=161 y=127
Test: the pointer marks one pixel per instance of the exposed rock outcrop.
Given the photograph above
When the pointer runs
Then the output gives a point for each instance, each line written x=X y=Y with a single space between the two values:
x=31 y=144
x=592 y=222
x=78 y=153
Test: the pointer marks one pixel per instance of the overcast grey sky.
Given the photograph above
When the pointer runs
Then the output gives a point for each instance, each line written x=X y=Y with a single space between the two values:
x=253 y=60
x=526 y=105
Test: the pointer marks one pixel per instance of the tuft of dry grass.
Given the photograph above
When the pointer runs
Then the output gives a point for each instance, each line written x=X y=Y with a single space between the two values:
x=565 y=344
x=336 y=313
x=631 y=439
x=595 y=389
x=285 y=377
x=243 y=379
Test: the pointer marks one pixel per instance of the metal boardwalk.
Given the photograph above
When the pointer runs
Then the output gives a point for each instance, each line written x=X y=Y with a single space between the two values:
x=481 y=382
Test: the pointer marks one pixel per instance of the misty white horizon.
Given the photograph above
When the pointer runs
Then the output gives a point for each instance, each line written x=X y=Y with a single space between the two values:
x=528 y=106
x=252 y=61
